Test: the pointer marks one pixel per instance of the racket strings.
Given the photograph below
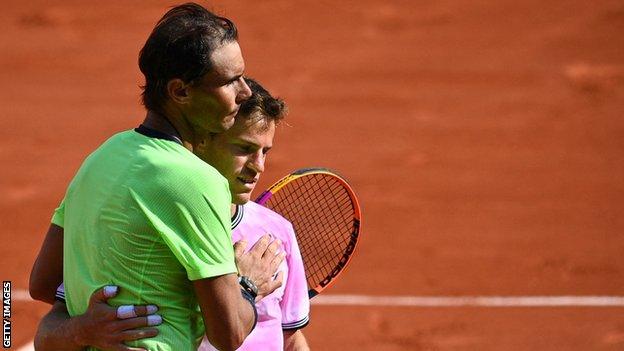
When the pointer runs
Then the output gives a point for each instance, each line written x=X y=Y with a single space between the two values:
x=321 y=211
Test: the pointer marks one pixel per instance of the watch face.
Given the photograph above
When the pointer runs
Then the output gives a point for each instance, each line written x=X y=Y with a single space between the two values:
x=248 y=285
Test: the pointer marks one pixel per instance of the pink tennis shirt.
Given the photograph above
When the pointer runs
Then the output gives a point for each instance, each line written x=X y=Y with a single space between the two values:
x=288 y=307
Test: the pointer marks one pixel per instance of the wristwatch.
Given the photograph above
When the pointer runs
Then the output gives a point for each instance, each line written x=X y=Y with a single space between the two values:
x=248 y=285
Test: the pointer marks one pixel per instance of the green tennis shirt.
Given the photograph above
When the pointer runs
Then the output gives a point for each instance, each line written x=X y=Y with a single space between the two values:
x=149 y=216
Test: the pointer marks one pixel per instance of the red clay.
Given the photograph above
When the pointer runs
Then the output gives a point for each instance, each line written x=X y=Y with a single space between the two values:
x=485 y=140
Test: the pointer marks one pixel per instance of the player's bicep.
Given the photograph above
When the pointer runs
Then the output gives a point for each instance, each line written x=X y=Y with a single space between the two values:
x=47 y=272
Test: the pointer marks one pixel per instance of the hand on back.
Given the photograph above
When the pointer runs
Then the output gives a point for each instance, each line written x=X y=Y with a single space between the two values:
x=107 y=328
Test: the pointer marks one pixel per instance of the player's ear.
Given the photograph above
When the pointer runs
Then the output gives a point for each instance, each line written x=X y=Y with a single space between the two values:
x=178 y=91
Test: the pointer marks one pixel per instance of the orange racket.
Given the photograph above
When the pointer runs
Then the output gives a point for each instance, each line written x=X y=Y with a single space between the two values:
x=325 y=214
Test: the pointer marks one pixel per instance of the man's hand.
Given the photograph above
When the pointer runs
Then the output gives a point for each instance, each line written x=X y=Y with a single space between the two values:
x=102 y=326
x=107 y=327
x=261 y=263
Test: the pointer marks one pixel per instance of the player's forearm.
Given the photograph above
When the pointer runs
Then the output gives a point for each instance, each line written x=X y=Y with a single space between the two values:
x=57 y=331
x=228 y=316
x=235 y=325
x=233 y=328
x=295 y=341
x=241 y=326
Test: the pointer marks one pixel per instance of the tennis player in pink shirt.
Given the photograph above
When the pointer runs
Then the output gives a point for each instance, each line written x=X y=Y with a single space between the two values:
x=239 y=154
x=282 y=313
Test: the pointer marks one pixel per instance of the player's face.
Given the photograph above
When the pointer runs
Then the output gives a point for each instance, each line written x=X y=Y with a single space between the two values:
x=215 y=100
x=239 y=154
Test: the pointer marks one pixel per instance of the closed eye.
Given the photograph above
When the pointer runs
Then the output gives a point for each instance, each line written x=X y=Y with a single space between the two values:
x=234 y=80
x=243 y=149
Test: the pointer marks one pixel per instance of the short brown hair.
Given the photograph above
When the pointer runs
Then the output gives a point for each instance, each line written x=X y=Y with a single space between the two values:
x=262 y=102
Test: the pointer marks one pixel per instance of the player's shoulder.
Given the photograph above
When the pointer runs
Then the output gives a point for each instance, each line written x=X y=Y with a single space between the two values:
x=189 y=179
x=113 y=142
x=166 y=165
x=190 y=167
x=181 y=165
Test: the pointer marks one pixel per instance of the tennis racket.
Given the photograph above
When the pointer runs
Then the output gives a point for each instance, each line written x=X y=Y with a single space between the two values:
x=325 y=214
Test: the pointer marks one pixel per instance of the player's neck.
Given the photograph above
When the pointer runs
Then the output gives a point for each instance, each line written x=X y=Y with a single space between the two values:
x=233 y=209
x=161 y=123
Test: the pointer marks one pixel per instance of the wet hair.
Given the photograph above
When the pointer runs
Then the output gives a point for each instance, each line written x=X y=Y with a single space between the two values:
x=262 y=104
x=181 y=46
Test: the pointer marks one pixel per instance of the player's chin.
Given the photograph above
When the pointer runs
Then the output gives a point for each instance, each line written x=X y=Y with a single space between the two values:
x=228 y=121
x=241 y=198
x=225 y=123
x=230 y=118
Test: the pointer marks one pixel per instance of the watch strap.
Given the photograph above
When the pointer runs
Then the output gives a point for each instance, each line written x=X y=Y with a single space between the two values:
x=248 y=286
x=252 y=300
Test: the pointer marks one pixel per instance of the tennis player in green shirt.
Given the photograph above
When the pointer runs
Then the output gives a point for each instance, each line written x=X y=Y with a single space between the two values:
x=145 y=214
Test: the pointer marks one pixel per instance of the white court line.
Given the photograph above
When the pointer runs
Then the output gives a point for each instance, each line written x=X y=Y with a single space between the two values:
x=470 y=301
x=20 y=295
x=445 y=301
x=23 y=295
x=434 y=301
x=27 y=347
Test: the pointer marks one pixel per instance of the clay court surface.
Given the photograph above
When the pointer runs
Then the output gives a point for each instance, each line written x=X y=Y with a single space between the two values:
x=485 y=139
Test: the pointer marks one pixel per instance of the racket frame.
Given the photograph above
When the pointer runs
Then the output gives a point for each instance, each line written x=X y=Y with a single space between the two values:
x=264 y=197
